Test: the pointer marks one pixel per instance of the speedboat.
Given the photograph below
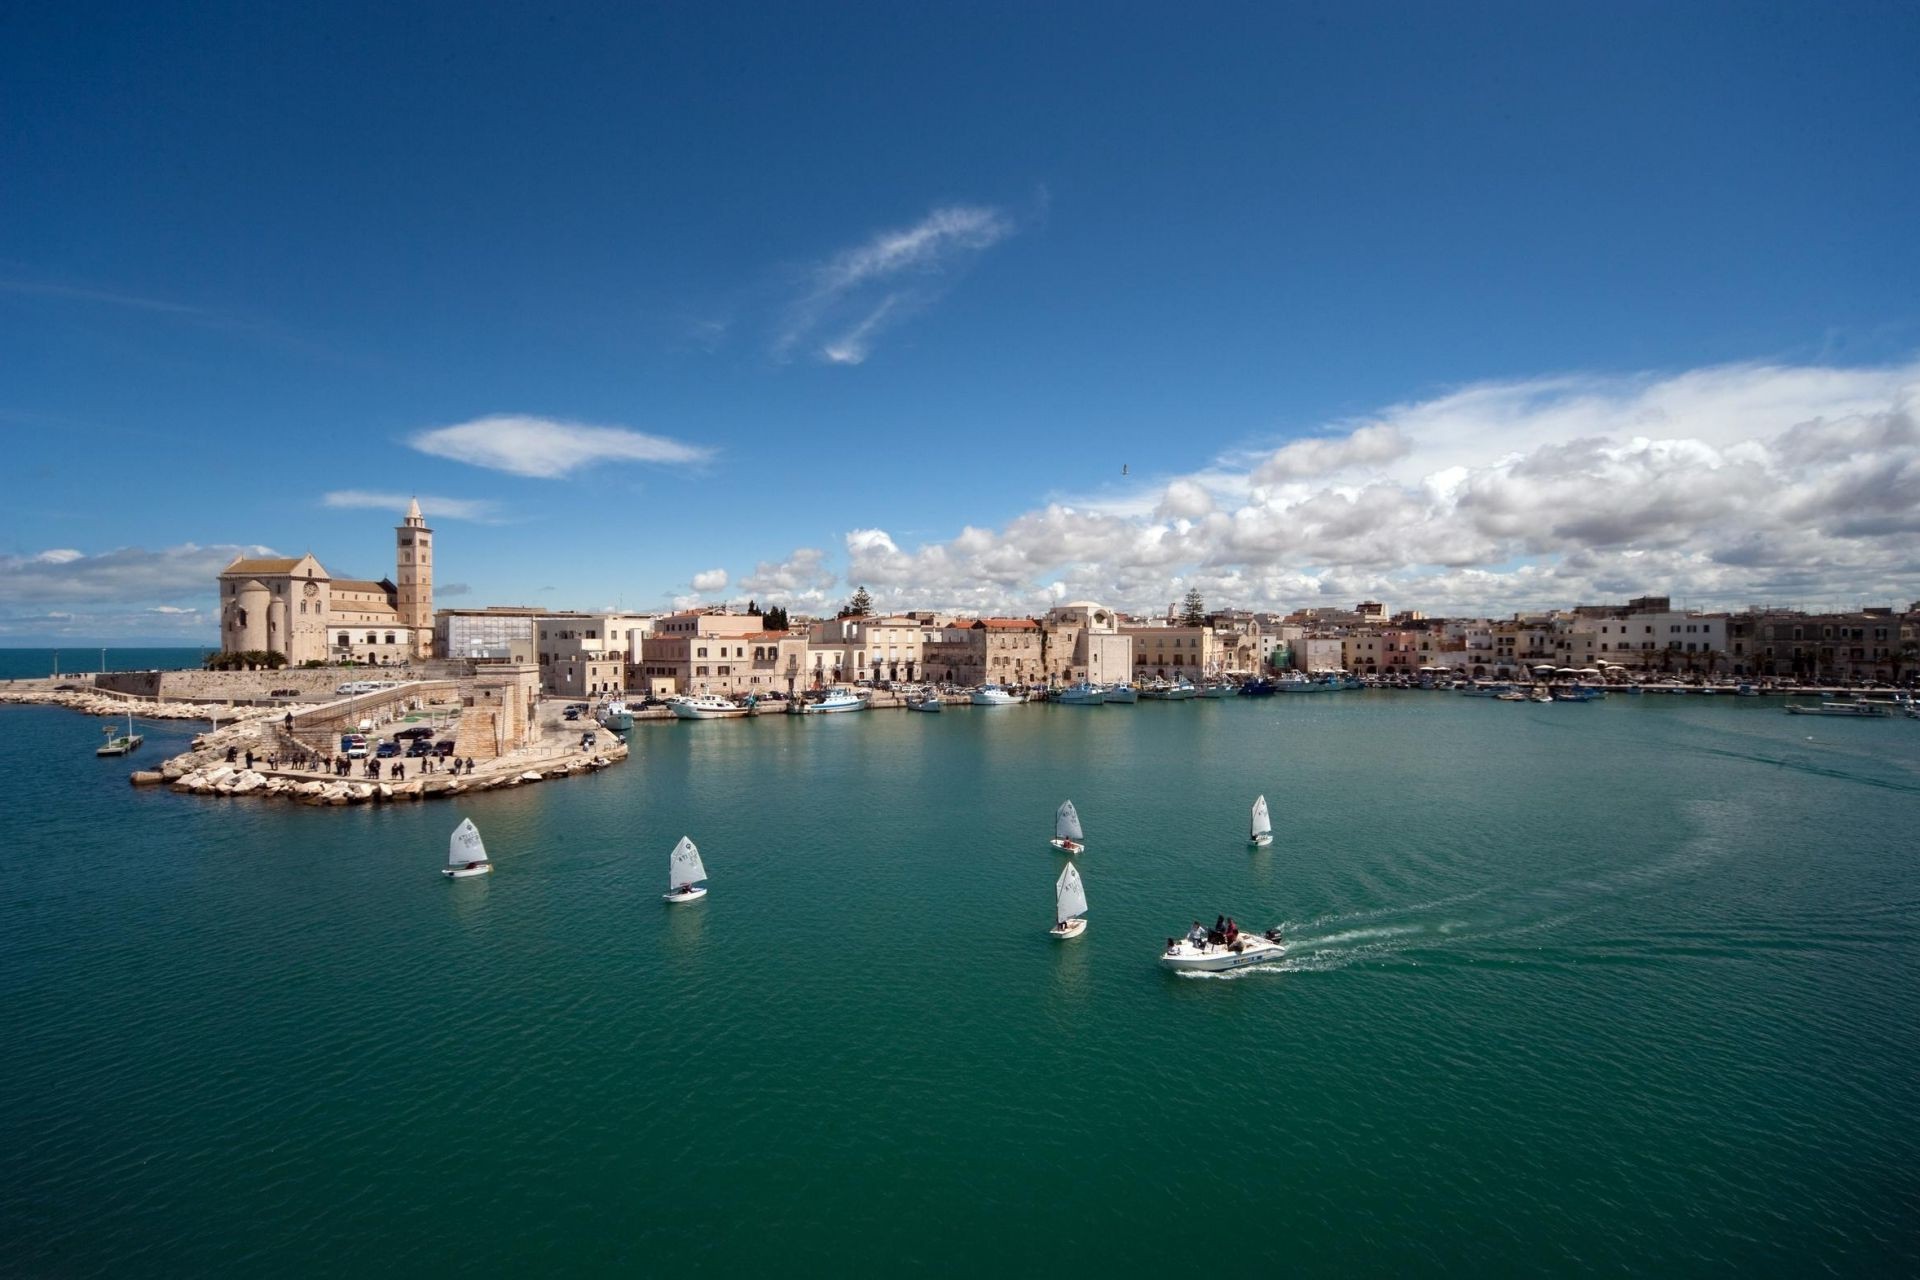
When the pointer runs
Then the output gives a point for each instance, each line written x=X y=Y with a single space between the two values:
x=839 y=699
x=1122 y=693
x=705 y=706
x=466 y=855
x=1184 y=955
x=1083 y=694
x=992 y=695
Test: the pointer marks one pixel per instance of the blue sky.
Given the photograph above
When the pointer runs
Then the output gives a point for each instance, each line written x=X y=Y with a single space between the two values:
x=1362 y=298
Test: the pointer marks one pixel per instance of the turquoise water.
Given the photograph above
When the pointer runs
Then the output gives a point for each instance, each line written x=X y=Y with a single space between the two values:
x=1630 y=985
x=31 y=664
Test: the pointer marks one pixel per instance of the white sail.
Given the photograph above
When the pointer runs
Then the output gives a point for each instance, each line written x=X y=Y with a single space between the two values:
x=1069 y=895
x=1262 y=824
x=683 y=865
x=1066 y=823
x=465 y=846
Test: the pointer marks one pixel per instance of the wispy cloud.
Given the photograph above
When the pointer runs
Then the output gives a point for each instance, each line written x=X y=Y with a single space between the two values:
x=548 y=448
x=130 y=577
x=77 y=293
x=860 y=292
x=478 y=510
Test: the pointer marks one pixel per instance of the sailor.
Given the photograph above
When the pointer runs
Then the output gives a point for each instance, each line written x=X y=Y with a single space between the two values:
x=1197 y=935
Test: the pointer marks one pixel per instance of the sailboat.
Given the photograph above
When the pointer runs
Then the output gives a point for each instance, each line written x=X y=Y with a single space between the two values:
x=1067 y=836
x=1262 y=831
x=466 y=856
x=1069 y=905
x=684 y=874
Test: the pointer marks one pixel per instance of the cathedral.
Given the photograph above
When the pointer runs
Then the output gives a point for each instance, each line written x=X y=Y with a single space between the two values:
x=294 y=606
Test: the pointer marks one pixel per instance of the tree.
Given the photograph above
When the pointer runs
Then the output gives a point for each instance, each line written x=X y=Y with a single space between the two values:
x=753 y=609
x=860 y=606
x=1194 y=612
x=775 y=619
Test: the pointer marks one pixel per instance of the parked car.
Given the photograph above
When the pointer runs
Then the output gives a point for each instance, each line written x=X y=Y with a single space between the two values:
x=418 y=731
x=652 y=702
x=571 y=713
x=386 y=751
x=419 y=747
x=284 y=693
x=353 y=746
x=443 y=748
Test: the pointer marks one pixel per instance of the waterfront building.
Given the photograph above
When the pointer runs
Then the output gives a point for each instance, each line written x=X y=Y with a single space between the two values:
x=496 y=633
x=713 y=651
x=291 y=605
x=1314 y=653
x=1008 y=651
x=1082 y=641
x=586 y=655
x=1864 y=644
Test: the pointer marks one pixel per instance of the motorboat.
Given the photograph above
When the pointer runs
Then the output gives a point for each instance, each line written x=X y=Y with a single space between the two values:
x=836 y=699
x=993 y=695
x=1837 y=708
x=466 y=854
x=1578 y=693
x=1067 y=836
x=1258 y=687
x=1123 y=694
x=1484 y=690
x=1510 y=695
x=1298 y=682
x=1083 y=694
x=705 y=706
x=928 y=701
x=1261 y=832
x=1175 y=691
x=685 y=871
x=1540 y=694
x=1219 y=689
x=616 y=717
x=1214 y=953
x=1069 y=904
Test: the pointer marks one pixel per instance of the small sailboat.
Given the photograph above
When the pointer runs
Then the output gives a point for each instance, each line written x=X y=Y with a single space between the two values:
x=1067 y=836
x=1069 y=905
x=1262 y=830
x=684 y=874
x=466 y=855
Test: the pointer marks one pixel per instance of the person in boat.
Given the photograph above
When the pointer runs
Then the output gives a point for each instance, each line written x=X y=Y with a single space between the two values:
x=1197 y=935
x=1233 y=931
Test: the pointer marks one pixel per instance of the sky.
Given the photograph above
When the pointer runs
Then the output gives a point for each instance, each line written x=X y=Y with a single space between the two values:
x=1467 y=308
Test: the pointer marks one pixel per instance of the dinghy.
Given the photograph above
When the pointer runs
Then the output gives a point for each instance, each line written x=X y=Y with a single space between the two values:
x=684 y=874
x=1069 y=905
x=1067 y=836
x=466 y=856
x=1262 y=832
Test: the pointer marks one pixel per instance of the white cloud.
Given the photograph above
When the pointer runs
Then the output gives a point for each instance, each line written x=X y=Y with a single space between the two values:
x=171 y=609
x=433 y=508
x=710 y=580
x=1728 y=485
x=548 y=448
x=60 y=555
x=802 y=581
x=858 y=293
x=130 y=577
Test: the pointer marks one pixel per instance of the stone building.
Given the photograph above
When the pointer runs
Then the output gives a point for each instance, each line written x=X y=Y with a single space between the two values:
x=1083 y=641
x=717 y=652
x=291 y=605
x=1008 y=651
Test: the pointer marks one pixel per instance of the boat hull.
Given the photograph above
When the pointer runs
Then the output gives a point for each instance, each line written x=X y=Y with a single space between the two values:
x=831 y=708
x=1067 y=846
x=1122 y=696
x=1249 y=950
x=994 y=698
x=1260 y=841
x=1068 y=929
x=930 y=704
x=691 y=895
x=464 y=873
x=688 y=711
x=1850 y=711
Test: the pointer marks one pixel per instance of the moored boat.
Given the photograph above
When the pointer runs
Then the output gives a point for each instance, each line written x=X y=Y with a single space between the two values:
x=993 y=695
x=833 y=700
x=1084 y=693
x=1122 y=694
x=1067 y=836
x=685 y=871
x=928 y=701
x=705 y=706
x=1069 y=904
x=466 y=854
x=1855 y=710
x=616 y=717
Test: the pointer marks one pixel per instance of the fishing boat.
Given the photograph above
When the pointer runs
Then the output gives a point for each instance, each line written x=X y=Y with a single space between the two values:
x=705 y=706
x=684 y=874
x=1578 y=693
x=1170 y=691
x=1484 y=690
x=1123 y=694
x=120 y=744
x=1298 y=682
x=466 y=855
x=1067 y=836
x=928 y=701
x=836 y=699
x=1082 y=694
x=1838 y=708
x=1219 y=688
x=1069 y=904
x=1262 y=830
x=1258 y=687
x=1214 y=953
x=616 y=717
x=993 y=695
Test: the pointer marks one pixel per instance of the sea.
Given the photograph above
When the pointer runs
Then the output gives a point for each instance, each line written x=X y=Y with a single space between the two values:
x=1621 y=987
x=33 y=664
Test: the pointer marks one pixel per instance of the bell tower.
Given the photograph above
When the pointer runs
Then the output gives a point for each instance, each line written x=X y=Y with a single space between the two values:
x=413 y=560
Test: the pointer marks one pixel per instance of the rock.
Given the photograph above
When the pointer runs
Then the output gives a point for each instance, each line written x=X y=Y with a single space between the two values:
x=385 y=791
x=360 y=792
x=530 y=775
x=146 y=777
x=248 y=781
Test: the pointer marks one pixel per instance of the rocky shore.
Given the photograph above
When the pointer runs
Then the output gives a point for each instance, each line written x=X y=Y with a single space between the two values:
x=90 y=703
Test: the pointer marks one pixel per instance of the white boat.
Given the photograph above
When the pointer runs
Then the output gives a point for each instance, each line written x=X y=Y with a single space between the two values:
x=1262 y=831
x=1484 y=690
x=1083 y=694
x=1220 y=689
x=684 y=874
x=1510 y=695
x=1123 y=694
x=705 y=706
x=1540 y=694
x=924 y=702
x=992 y=695
x=616 y=716
x=1855 y=709
x=1188 y=955
x=1069 y=905
x=837 y=699
x=1067 y=836
x=466 y=855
